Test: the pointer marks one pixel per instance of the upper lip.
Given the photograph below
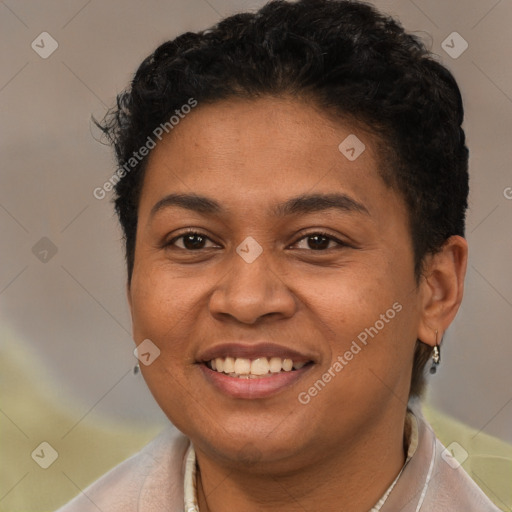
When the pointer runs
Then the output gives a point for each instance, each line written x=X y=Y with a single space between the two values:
x=252 y=351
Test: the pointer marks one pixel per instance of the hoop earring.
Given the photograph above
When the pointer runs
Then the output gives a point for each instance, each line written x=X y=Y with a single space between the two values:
x=436 y=357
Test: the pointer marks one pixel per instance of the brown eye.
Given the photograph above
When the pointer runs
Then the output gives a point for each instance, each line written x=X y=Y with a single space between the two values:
x=320 y=241
x=191 y=241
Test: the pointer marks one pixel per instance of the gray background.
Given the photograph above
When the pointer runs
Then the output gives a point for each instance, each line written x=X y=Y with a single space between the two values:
x=69 y=316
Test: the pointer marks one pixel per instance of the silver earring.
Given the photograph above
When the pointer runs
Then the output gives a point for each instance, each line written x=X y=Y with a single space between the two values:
x=436 y=357
x=136 y=369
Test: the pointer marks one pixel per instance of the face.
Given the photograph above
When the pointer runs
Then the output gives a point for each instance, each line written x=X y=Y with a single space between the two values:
x=296 y=267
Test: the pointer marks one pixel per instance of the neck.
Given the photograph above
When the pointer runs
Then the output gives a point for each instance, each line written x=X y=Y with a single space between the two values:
x=354 y=479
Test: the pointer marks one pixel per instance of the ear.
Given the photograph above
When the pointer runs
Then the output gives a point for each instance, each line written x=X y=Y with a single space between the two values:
x=442 y=288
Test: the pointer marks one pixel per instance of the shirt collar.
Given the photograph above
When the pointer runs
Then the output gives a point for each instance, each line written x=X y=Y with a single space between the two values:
x=190 y=482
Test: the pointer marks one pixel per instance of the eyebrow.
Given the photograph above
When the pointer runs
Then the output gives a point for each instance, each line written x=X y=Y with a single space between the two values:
x=303 y=204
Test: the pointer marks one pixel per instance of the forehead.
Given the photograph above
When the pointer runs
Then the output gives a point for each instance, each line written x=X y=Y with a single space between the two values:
x=262 y=163
x=296 y=129
x=253 y=157
x=254 y=147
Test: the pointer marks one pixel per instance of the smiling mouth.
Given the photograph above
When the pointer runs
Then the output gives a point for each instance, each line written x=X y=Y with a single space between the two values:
x=261 y=367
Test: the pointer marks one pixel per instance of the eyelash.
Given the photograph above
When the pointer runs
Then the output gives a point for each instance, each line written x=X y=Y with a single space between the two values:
x=341 y=244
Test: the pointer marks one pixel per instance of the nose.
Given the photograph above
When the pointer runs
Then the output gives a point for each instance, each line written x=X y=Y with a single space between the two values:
x=250 y=290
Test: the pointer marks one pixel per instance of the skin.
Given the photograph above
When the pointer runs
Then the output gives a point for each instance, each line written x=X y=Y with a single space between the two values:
x=344 y=448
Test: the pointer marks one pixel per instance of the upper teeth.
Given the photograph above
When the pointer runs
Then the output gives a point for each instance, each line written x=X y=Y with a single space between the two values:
x=259 y=366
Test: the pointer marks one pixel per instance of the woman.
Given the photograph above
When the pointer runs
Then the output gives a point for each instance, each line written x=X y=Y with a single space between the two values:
x=292 y=186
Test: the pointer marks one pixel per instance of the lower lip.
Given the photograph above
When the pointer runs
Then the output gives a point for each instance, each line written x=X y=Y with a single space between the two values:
x=261 y=387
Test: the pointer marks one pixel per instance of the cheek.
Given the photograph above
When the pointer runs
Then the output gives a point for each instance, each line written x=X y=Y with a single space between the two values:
x=350 y=299
x=161 y=310
x=370 y=330
x=157 y=294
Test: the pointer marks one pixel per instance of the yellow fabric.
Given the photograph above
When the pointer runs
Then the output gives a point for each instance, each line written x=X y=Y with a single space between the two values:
x=31 y=412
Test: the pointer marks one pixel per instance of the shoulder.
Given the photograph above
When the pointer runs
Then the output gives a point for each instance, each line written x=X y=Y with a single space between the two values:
x=447 y=486
x=452 y=488
x=433 y=480
x=131 y=485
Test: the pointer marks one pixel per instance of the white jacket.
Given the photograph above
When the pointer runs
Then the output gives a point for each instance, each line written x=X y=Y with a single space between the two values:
x=153 y=481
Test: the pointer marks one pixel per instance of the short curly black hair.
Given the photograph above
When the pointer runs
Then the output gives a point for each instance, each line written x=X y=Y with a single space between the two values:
x=347 y=58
